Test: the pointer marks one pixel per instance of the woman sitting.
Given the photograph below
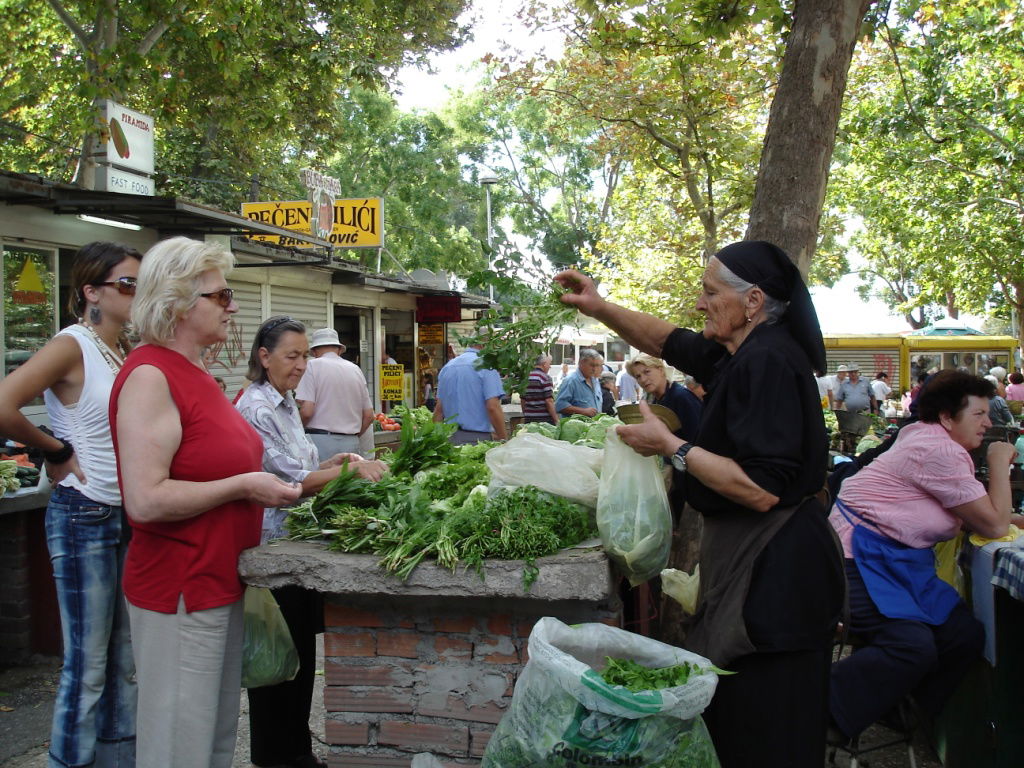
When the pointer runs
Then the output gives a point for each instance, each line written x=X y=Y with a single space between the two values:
x=279 y=714
x=998 y=411
x=1015 y=389
x=920 y=637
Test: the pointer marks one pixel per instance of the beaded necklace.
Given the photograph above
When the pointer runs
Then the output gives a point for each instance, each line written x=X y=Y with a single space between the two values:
x=113 y=360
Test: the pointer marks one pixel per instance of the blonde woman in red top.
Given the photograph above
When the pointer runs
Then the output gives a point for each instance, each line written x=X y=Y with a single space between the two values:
x=189 y=467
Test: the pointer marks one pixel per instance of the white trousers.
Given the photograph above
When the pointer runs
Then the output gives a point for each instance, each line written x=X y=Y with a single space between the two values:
x=189 y=670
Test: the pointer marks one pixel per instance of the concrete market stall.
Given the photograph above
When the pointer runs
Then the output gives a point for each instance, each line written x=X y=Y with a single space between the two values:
x=428 y=665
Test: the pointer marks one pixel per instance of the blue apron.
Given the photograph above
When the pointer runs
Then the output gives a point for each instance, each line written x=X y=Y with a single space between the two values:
x=901 y=580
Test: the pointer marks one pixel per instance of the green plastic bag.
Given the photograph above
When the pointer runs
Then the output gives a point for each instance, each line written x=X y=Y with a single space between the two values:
x=564 y=715
x=268 y=653
x=633 y=516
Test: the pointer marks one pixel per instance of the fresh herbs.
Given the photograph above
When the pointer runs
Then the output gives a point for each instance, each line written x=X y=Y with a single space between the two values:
x=636 y=677
x=422 y=446
x=443 y=512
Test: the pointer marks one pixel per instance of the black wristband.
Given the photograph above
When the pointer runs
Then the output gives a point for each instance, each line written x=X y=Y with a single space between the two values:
x=62 y=454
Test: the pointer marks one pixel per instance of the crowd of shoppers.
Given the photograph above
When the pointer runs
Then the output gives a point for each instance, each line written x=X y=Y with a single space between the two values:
x=161 y=482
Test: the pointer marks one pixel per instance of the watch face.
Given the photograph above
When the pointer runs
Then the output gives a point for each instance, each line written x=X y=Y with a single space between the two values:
x=678 y=462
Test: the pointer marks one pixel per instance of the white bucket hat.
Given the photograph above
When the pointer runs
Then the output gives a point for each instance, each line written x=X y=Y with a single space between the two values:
x=323 y=337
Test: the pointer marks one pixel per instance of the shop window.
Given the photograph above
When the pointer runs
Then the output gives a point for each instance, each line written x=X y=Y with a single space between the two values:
x=989 y=360
x=29 y=303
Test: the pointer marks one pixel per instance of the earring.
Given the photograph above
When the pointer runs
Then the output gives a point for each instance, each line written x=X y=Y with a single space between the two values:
x=748 y=318
x=95 y=316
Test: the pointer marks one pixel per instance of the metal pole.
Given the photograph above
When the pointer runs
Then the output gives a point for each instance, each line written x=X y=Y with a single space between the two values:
x=490 y=251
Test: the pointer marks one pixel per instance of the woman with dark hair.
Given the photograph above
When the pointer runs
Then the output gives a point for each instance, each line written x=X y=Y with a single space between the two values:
x=94 y=715
x=279 y=714
x=771 y=576
x=1015 y=389
x=920 y=636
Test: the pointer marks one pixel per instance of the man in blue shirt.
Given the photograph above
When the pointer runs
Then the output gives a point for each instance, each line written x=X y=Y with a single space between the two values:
x=470 y=397
x=580 y=391
x=856 y=393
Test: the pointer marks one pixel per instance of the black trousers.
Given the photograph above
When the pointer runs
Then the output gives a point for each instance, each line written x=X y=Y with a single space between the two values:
x=773 y=713
x=901 y=657
x=279 y=714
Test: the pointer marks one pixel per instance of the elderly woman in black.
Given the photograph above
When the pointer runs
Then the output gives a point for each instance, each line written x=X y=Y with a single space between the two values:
x=771 y=575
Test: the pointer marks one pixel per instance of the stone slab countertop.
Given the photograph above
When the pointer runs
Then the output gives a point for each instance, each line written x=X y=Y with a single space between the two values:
x=580 y=574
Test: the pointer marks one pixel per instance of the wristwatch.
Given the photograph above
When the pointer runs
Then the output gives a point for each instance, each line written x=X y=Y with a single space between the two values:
x=678 y=458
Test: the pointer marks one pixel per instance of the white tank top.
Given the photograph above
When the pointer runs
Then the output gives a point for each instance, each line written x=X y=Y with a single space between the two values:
x=86 y=424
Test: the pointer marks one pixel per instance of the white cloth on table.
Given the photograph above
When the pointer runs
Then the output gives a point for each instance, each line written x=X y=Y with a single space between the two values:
x=987 y=569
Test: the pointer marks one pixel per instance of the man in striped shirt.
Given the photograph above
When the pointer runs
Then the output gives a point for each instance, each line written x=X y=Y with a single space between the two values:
x=538 y=402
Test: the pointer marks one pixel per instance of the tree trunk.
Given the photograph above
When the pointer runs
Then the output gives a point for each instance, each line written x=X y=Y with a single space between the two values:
x=801 y=134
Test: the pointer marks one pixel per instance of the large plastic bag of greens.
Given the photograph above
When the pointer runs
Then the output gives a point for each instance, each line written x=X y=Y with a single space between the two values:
x=563 y=713
x=268 y=653
x=633 y=515
x=551 y=465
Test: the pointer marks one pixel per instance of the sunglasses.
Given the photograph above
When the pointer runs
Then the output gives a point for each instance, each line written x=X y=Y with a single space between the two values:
x=224 y=296
x=124 y=285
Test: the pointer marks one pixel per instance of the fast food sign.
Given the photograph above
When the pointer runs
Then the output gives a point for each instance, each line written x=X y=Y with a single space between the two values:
x=322 y=191
x=356 y=222
x=127 y=139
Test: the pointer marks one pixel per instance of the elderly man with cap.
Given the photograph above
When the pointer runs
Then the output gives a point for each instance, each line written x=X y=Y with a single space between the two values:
x=771 y=577
x=856 y=393
x=834 y=382
x=334 y=403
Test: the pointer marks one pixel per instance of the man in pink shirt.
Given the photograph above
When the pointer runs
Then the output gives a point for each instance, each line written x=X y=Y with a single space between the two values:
x=334 y=403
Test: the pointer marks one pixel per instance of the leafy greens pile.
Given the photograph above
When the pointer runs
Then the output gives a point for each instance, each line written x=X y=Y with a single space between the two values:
x=636 y=677
x=578 y=430
x=434 y=503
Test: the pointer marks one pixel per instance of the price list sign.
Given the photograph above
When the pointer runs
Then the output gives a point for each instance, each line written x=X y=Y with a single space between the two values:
x=392 y=382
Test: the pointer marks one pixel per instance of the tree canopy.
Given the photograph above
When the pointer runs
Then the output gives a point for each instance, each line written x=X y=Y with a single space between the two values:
x=932 y=164
x=235 y=86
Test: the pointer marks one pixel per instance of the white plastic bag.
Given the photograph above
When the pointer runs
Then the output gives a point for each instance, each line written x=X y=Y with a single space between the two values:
x=563 y=712
x=633 y=515
x=552 y=465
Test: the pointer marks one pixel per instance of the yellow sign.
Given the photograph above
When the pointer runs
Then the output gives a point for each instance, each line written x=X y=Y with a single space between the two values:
x=392 y=382
x=29 y=288
x=358 y=223
x=431 y=333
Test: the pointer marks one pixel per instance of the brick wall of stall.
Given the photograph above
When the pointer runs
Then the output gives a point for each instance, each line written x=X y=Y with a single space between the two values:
x=415 y=676
x=15 y=603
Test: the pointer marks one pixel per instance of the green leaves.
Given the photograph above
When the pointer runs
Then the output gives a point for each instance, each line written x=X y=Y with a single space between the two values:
x=635 y=677
x=526 y=324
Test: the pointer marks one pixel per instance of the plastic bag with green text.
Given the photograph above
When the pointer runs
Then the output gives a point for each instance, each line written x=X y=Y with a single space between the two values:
x=564 y=715
x=268 y=653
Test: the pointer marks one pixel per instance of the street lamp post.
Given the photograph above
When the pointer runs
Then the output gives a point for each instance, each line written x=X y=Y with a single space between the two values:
x=487 y=182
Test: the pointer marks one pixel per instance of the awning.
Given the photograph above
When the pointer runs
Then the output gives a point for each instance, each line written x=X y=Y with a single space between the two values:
x=166 y=215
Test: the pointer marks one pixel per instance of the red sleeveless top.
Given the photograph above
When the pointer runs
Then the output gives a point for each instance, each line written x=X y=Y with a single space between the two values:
x=197 y=557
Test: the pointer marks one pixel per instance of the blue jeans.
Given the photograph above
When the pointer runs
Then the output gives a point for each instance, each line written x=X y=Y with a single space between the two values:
x=94 y=714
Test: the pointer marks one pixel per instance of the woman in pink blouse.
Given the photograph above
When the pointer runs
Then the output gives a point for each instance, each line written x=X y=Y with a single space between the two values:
x=920 y=636
x=1015 y=389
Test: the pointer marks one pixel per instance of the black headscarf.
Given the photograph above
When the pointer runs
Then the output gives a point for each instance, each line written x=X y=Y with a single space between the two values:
x=768 y=267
